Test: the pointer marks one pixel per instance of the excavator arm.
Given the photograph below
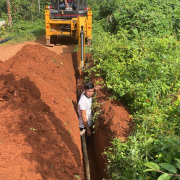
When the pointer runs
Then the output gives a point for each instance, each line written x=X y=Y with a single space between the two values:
x=75 y=23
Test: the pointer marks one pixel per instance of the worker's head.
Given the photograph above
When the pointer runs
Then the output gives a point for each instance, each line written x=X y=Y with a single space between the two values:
x=89 y=89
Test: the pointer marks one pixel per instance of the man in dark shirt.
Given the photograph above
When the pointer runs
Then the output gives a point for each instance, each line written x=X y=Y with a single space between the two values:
x=69 y=3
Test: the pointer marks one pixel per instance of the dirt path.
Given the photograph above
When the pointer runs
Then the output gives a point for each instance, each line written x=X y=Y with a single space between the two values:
x=6 y=52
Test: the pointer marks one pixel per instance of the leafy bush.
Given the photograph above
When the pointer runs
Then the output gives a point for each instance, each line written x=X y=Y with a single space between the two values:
x=27 y=10
x=3 y=7
x=24 y=31
x=172 y=170
x=136 y=49
x=27 y=16
x=157 y=17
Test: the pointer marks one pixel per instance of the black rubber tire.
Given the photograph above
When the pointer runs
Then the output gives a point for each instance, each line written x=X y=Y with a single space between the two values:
x=53 y=39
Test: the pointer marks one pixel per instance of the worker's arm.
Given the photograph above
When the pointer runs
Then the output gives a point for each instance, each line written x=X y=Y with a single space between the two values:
x=97 y=88
x=66 y=3
x=83 y=113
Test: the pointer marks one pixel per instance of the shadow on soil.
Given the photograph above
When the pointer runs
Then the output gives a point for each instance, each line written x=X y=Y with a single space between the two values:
x=50 y=142
x=75 y=66
x=60 y=41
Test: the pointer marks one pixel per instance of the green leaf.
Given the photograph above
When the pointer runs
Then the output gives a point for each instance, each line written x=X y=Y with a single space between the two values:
x=97 y=75
x=77 y=176
x=152 y=165
x=168 y=167
x=150 y=140
x=141 y=178
x=148 y=170
x=169 y=157
x=165 y=146
x=135 y=31
x=178 y=165
x=164 y=177
x=178 y=160
x=116 y=15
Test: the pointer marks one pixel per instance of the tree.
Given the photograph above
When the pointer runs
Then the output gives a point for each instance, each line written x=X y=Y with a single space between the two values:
x=9 y=13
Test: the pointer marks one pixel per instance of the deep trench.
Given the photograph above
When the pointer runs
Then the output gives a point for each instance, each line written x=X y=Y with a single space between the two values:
x=94 y=175
x=101 y=139
x=91 y=150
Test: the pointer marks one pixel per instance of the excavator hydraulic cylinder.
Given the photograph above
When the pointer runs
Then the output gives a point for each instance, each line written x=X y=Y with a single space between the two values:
x=82 y=48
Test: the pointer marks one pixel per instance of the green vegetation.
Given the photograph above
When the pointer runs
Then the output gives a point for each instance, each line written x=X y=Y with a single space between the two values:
x=136 y=51
x=33 y=129
x=28 y=21
x=171 y=169
x=24 y=31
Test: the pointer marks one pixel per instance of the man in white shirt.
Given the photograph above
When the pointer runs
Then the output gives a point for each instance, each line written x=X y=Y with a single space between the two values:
x=84 y=108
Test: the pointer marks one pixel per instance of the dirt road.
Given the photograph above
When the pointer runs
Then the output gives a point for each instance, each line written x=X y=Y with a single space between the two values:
x=6 y=52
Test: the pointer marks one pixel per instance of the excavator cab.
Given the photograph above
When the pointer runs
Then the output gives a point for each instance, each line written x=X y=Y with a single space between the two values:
x=59 y=6
x=75 y=5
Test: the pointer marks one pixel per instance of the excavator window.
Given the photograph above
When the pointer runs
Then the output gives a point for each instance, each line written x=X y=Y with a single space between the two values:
x=60 y=4
x=82 y=4
x=54 y=4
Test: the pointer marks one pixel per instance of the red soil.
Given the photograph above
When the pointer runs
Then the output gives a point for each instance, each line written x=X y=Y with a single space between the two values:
x=66 y=45
x=39 y=126
x=115 y=121
x=40 y=137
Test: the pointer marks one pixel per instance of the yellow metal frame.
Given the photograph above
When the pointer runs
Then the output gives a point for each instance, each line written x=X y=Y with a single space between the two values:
x=51 y=25
x=89 y=25
x=81 y=26
x=77 y=24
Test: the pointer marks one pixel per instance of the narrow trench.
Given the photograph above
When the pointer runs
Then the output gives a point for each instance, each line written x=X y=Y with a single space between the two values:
x=94 y=175
x=92 y=160
x=90 y=146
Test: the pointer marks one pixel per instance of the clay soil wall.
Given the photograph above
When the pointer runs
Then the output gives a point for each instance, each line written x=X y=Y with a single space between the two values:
x=114 y=122
x=39 y=125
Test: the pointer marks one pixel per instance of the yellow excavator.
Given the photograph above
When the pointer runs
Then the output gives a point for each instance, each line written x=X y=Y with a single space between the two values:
x=69 y=19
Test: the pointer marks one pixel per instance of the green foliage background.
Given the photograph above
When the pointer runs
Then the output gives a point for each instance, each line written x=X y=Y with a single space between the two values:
x=26 y=17
x=136 y=50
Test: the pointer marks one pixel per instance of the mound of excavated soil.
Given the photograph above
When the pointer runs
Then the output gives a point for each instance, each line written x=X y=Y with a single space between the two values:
x=39 y=126
x=115 y=121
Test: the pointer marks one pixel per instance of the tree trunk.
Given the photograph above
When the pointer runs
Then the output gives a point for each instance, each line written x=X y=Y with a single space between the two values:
x=39 y=5
x=9 y=13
